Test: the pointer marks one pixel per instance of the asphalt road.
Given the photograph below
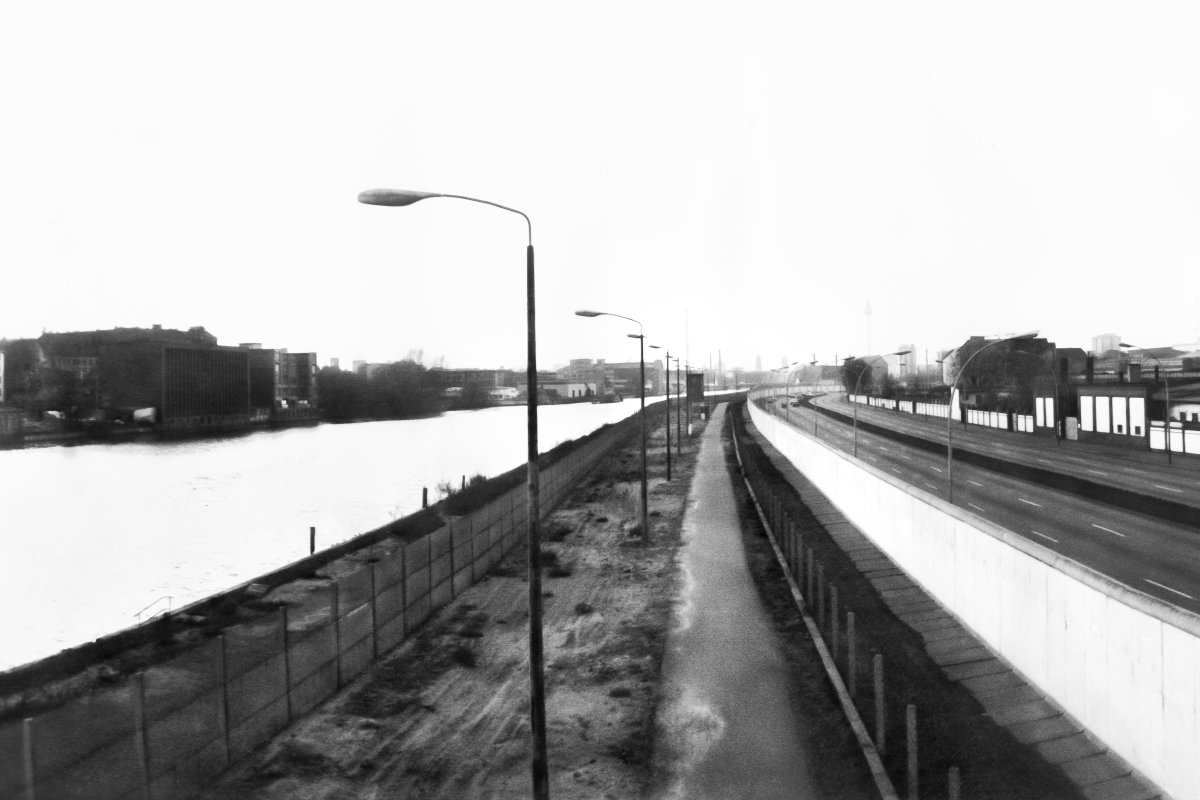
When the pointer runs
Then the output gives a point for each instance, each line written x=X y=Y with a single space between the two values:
x=1149 y=555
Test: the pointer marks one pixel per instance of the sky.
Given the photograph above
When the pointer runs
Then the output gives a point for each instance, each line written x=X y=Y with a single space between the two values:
x=746 y=180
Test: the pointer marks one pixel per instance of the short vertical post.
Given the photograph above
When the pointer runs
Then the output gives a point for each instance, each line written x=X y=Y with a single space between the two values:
x=221 y=645
x=140 y=742
x=424 y=497
x=911 y=726
x=851 y=655
x=287 y=665
x=29 y=779
x=954 y=784
x=880 y=741
x=811 y=598
x=833 y=622
x=821 y=598
x=312 y=539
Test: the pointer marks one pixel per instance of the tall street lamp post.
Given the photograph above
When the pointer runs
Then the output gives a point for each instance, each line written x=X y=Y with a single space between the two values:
x=865 y=370
x=537 y=686
x=667 y=384
x=1166 y=396
x=950 y=404
x=640 y=336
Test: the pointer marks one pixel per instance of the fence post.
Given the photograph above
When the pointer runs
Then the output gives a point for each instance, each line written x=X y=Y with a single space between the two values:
x=30 y=780
x=374 y=616
x=851 y=657
x=954 y=784
x=880 y=741
x=337 y=631
x=224 y=696
x=811 y=598
x=911 y=725
x=287 y=664
x=821 y=598
x=139 y=734
x=312 y=539
x=833 y=622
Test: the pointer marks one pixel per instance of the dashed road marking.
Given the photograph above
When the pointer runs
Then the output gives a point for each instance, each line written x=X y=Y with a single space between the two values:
x=1098 y=472
x=1044 y=536
x=1168 y=488
x=937 y=469
x=931 y=486
x=1045 y=461
x=1169 y=589
x=974 y=483
x=898 y=472
x=977 y=508
x=1030 y=502
x=1108 y=530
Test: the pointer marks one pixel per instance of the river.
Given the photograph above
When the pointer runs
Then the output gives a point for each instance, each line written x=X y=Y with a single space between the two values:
x=94 y=534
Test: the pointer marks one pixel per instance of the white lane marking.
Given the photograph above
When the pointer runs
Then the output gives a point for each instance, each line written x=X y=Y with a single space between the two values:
x=898 y=472
x=1045 y=461
x=1108 y=530
x=1169 y=589
x=884 y=449
x=906 y=457
x=1044 y=536
x=1098 y=472
x=931 y=486
x=1030 y=502
x=936 y=469
x=977 y=508
x=1168 y=489
x=873 y=458
x=976 y=483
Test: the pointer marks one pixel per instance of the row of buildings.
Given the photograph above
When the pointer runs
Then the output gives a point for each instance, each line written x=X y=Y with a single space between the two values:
x=170 y=380
x=1125 y=395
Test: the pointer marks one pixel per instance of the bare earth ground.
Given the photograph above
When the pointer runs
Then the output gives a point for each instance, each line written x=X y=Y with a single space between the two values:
x=445 y=715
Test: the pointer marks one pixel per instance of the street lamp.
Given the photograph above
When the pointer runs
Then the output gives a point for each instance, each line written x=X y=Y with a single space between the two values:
x=1166 y=396
x=787 y=409
x=642 y=395
x=537 y=686
x=950 y=403
x=864 y=371
x=667 y=385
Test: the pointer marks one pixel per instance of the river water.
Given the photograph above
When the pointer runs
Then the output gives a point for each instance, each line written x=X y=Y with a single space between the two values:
x=92 y=535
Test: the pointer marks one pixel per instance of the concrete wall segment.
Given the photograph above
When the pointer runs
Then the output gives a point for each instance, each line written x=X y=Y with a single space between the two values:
x=1099 y=648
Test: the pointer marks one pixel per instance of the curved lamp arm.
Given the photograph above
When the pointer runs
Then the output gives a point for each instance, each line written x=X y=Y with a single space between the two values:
x=406 y=197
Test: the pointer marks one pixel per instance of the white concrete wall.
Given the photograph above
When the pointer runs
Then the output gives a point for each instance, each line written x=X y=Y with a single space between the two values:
x=1123 y=664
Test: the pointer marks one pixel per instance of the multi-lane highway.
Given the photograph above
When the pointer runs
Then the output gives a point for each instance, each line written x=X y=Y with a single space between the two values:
x=1157 y=557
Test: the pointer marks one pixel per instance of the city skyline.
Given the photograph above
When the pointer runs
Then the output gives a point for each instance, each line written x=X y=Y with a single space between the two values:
x=743 y=183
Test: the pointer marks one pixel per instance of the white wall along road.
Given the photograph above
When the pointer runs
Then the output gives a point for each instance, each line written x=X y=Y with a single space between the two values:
x=1149 y=555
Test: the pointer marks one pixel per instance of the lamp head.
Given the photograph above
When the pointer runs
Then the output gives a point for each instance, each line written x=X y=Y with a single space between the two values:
x=634 y=335
x=1123 y=344
x=392 y=197
x=585 y=313
x=901 y=352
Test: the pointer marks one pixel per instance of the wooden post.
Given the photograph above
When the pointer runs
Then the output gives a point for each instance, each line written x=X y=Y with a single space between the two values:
x=851 y=656
x=833 y=621
x=821 y=598
x=287 y=665
x=140 y=743
x=424 y=497
x=809 y=593
x=880 y=740
x=312 y=539
x=29 y=778
x=911 y=725
x=955 y=784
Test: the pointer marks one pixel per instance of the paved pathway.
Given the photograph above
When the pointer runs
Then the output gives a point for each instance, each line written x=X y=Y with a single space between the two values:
x=729 y=730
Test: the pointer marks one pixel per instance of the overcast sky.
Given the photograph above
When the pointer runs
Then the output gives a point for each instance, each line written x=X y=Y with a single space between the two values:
x=743 y=178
